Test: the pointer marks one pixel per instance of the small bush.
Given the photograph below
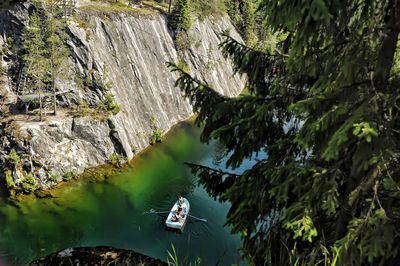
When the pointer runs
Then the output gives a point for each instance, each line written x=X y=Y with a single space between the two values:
x=105 y=108
x=111 y=107
x=69 y=175
x=117 y=158
x=13 y=158
x=28 y=184
x=156 y=136
x=183 y=40
x=54 y=178
x=9 y=179
x=82 y=109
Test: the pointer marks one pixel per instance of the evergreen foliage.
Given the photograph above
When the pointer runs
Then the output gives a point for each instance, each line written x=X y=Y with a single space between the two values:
x=53 y=177
x=46 y=54
x=9 y=179
x=101 y=111
x=156 y=136
x=35 y=56
x=82 y=109
x=206 y=8
x=117 y=158
x=57 y=52
x=105 y=107
x=242 y=14
x=183 y=40
x=69 y=175
x=28 y=184
x=324 y=105
x=13 y=158
x=180 y=17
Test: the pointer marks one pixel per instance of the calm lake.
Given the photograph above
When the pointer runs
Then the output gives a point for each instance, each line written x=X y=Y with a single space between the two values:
x=111 y=212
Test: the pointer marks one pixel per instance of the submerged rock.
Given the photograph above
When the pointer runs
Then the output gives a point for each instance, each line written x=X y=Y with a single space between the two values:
x=101 y=255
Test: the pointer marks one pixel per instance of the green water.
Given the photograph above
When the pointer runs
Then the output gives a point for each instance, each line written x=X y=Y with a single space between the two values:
x=110 y=212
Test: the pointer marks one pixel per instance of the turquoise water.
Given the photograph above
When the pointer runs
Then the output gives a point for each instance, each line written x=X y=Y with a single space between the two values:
x=111 y=212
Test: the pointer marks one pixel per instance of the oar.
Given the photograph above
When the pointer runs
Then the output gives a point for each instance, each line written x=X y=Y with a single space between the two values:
x=200 y=219
x=151 y=212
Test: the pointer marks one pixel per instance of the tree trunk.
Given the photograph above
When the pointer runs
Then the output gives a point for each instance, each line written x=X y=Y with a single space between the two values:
x=345 y=212
x=389 y=43
x=52 y=61
x=169 y=7
x=40 y=106
x=53 y=86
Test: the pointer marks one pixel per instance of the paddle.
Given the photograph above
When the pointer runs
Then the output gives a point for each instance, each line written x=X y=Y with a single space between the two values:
x=151 y=212
x=194 y=217
x=200 y=219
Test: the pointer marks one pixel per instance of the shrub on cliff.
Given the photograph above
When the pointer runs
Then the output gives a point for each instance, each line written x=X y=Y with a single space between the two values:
x=53 y=178
x=183 y=40
x=82 y=109
x=9 y=179
x=156 y=136
x=180 y=17
x=13 y=158
x=28 y=184
x=117 y=158
x=69 y=175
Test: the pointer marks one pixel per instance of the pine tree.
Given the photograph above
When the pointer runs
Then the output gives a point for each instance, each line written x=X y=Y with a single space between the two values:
x=47 y=31
x=324 y=105
x=180 y=17
x=242 y=14
x=33 y=42
x=57 y=51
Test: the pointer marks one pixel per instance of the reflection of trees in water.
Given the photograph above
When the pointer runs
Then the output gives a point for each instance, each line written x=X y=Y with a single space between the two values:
x=187 y=184
x=219 y=154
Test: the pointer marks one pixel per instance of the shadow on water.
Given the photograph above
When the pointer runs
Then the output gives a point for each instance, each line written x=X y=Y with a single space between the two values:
x=111 y=212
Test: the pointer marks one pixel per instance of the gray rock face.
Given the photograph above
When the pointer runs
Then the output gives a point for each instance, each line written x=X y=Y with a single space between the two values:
x=70 y=144
x=134 y=50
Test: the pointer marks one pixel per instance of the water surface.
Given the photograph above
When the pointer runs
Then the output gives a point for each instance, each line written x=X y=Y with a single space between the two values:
x=112 y=212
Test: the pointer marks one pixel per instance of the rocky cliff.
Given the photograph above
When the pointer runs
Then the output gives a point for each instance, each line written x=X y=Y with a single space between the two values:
x=134 y=49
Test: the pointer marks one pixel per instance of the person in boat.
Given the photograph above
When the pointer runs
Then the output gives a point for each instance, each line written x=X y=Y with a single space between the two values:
x=181 y=201
x=179 y=214
x=174 y=218
x=178 y=211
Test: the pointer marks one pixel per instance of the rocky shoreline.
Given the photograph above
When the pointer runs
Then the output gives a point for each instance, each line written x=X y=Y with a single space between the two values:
x=100 y=255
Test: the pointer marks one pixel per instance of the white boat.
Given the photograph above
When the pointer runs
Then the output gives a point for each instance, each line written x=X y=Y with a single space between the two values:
x=178 y=224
